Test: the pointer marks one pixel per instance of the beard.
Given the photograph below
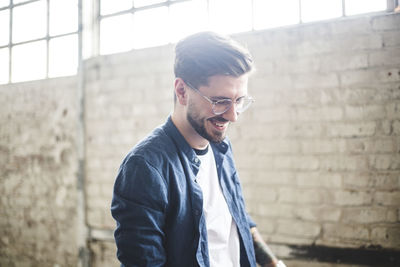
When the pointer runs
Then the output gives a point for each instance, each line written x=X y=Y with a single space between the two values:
x=198 y=124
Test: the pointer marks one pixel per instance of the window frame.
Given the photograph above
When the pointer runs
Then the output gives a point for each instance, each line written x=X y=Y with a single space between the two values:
x=47 y=38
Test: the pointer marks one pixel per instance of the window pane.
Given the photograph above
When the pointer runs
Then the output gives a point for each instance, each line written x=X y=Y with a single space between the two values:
x=4 y=26
x=194 y=15
x=354 y=7
x=140 y=3
x=4 y=3
x=4 y=55
x=116 y=34
x=63 y=16
x=19 y=1
x=269 y=14
x=63 y=56
x=112 y=6
x=28 y=62
x=150 y=27
x=230 y=16
x=312 y=10
x=29 y=21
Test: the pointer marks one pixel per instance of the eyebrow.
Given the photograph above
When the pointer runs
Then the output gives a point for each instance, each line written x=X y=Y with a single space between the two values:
x=219 y=98
x=216 y=98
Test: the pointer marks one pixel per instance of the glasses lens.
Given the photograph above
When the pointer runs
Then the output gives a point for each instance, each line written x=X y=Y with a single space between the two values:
x=222 y=106
x=243 y=104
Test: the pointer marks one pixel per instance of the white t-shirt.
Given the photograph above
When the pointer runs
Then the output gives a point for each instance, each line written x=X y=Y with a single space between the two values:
x=223 y=238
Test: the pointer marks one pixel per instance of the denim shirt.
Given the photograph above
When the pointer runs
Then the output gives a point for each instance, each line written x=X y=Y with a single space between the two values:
x=158 y=205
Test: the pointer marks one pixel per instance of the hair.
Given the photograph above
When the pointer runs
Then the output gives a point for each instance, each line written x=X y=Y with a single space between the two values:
x=205 y=54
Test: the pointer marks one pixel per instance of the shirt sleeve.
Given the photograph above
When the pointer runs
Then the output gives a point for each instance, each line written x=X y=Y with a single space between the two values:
x=138 y=206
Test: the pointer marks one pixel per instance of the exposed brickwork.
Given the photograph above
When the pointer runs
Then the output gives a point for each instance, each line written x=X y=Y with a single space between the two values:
x=318 y=153
x=37 y=168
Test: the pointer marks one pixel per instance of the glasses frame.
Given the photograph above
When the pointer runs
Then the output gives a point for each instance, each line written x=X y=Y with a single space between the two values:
x=215 y=102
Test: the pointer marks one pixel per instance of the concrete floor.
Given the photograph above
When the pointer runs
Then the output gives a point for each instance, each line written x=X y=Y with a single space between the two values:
x=297 y=263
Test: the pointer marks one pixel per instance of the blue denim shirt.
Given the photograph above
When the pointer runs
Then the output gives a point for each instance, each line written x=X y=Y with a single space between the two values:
x=158 y=205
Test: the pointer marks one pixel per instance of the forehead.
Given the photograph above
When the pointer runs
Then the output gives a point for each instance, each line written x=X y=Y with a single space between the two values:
x=226 y=86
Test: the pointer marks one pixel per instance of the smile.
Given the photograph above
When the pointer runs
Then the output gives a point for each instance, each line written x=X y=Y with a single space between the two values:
x=219 y=124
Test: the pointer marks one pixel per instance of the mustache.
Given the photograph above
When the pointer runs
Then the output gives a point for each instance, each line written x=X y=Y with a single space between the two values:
x=219 y=119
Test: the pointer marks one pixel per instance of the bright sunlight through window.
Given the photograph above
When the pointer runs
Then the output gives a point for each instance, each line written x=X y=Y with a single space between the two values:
x=46 y=31
x=43 y=41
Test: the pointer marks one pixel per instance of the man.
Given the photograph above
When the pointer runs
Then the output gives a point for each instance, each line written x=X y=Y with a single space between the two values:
x=177 y=197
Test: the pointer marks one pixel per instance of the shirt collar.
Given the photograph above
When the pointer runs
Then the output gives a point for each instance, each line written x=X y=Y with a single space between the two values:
x=184 y=146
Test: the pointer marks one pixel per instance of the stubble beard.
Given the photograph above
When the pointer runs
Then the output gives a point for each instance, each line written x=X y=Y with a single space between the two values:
x=198 y=125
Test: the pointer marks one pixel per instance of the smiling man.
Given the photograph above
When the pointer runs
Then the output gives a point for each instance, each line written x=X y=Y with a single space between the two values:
x=177 y=197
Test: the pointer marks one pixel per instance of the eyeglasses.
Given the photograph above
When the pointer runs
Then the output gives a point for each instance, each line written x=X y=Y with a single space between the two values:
x=223 y=105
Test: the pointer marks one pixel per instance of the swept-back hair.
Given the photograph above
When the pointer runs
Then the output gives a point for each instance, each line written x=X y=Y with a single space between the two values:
x=205 y=54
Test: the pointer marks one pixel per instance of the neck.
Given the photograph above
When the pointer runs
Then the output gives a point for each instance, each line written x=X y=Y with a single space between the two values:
x=191 y=136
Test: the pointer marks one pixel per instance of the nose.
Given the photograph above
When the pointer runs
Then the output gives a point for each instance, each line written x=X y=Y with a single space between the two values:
x=231 y=114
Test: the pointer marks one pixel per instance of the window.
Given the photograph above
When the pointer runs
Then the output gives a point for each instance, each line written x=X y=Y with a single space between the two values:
x=38 y=39
x=146 y=23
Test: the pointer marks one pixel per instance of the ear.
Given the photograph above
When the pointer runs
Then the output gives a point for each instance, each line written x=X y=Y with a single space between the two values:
x=180 y=91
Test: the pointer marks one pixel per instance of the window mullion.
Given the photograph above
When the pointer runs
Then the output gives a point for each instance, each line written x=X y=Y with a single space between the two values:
x=10 y=41
x=47 y=37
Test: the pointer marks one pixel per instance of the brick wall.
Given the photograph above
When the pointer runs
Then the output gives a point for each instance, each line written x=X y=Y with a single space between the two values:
x=38 y=173
x=318 y=153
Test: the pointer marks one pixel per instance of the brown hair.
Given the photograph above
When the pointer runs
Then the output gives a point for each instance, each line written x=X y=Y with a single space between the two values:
x=205 y=54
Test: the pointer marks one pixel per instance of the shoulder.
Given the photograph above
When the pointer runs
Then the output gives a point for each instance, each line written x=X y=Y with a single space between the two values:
x=156 y=150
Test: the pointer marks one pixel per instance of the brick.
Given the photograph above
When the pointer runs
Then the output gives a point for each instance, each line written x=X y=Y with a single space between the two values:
x=275 y=115
x=395 y=128
x=387 y=198
x=391 y=39
x=383 y=23
x=345 y=231
x=309 y=196
x=275 y=210
x=365 y=112
x=368 y=76
x=305 y=81
x=384 y=162
x=344 y=163
x=298 y=65
x=295 y=163
x=382 y=146
x=260 y=193
x=351 y=27
x=368 y=94
x=351 y=198
x=298 y=228
x=389 y=57
x=343 y=61
x=379 y=233
x=284 y=146
x=270 y=177
x=357 y=181
x=386 y=181
x=318 y=214
x=393 y=110
x=323 y=146
x=318 y=180
x=325 y=113
x=304 y=130
x=364 y=215
x=362 y=129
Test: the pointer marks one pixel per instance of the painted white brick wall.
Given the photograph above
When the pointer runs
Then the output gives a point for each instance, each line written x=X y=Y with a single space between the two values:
x=318 y=153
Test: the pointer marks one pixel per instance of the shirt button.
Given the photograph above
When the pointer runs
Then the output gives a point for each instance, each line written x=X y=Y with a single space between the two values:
x=196 y=160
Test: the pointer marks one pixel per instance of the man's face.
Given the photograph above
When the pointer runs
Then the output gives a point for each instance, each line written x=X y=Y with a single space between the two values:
x=199 y=112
